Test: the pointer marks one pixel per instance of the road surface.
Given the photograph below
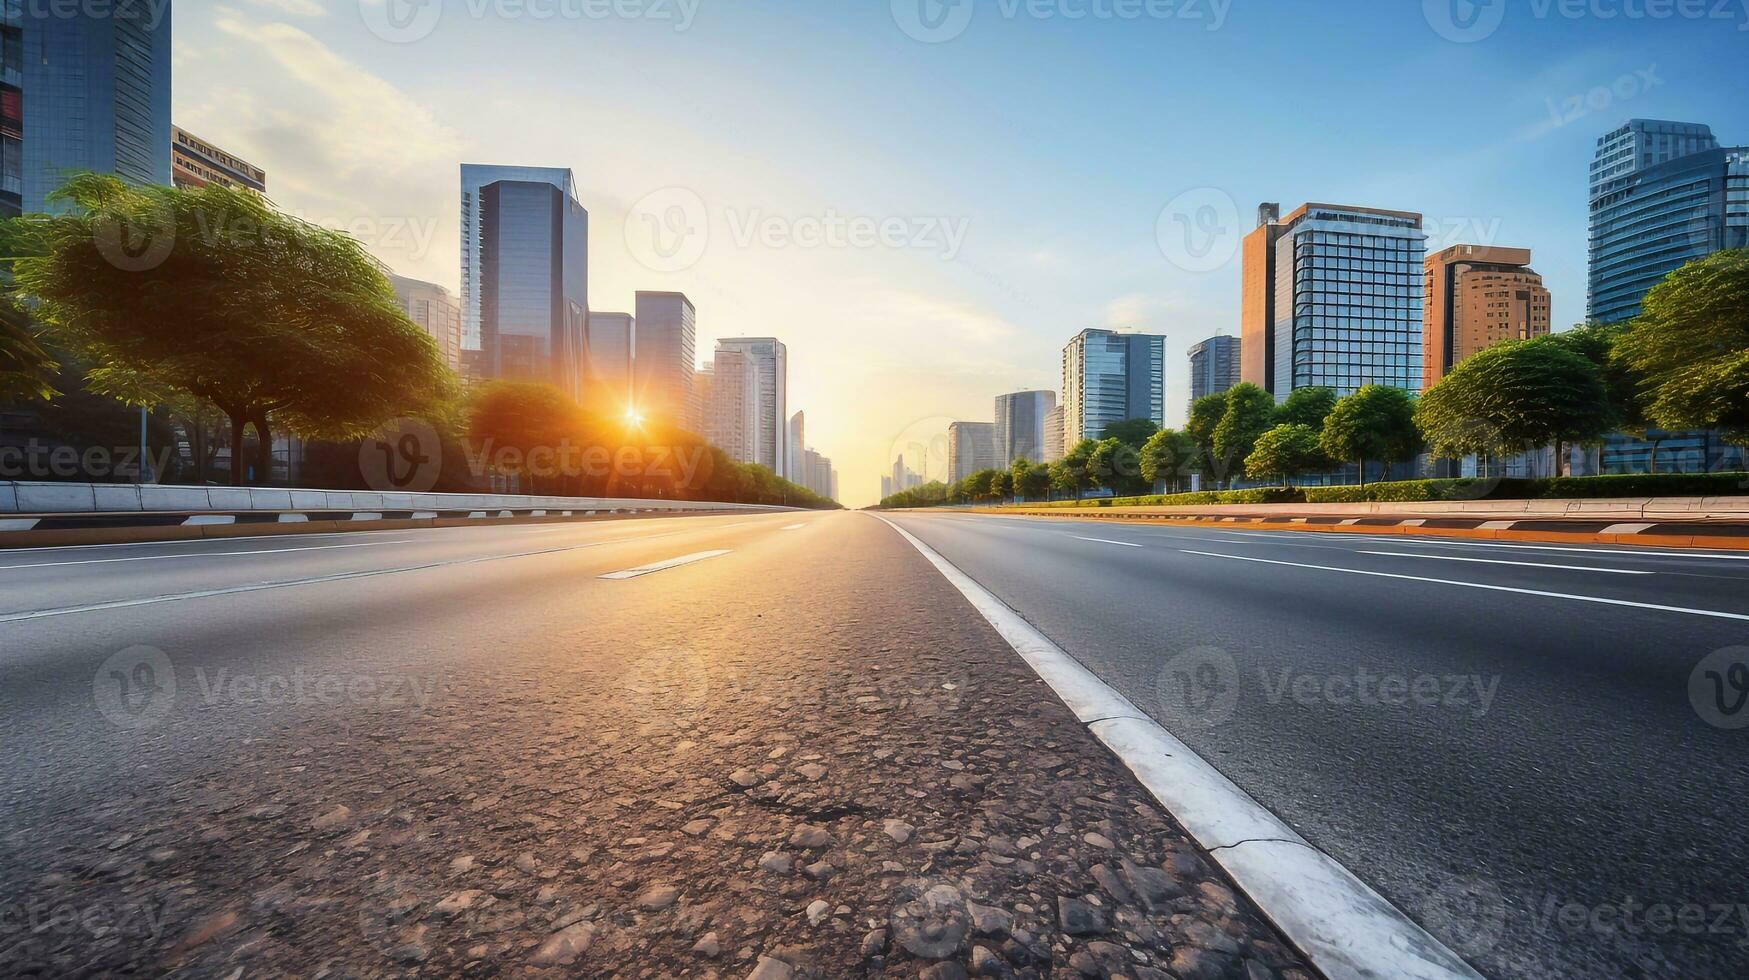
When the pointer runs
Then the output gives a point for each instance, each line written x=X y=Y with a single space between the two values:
x=1500 y=739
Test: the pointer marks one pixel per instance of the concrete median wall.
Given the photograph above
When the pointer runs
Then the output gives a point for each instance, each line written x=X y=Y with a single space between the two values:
x=99 y=498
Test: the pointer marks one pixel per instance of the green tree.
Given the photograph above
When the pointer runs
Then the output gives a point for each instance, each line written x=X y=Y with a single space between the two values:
x=214 y=293
x=1375 y=423
x=1285 y=451
x=26 y=369
x=1306 y=406
x=1001 y=484
x=1515 y=396
x=1690 y=346
x=1070 y=474
x=1131 y=432
x=1031 y=480
x=1205 y=414
x=1167 y=458
x=1117 y=466
x=1250 y=413
x=513 y=423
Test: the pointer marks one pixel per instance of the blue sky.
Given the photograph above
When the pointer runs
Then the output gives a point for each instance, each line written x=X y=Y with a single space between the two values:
x=1021 y=168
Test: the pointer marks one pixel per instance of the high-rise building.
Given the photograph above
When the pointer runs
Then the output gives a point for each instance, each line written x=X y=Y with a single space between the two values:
x=819 y=476
x=732 y=419
x=1478 y=296
x=1112 y=377
x=971 y=448
x=770 y=361
x=796 y=468
x=196 y=163
x=97 y=85
x=1333 y=298
x=1214 y=366
x=1054 y=448
x=1020 y=425
x=886 y=487
x=525 y=274
x=1662 y=194
x=667 y=352
x=613 y=345
x=436 y=311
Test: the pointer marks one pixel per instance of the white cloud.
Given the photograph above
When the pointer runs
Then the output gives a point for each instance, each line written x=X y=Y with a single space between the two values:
x=296 y=8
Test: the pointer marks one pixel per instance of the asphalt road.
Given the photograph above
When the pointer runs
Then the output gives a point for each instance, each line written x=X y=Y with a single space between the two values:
x=650 y=748
x=1501 y=740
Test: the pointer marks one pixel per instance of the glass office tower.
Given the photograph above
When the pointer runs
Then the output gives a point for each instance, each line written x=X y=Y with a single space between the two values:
x=1020 y=425
x=1662 y=194
x=82 y=91
x=1111 y=377
x=525 y=274
x=1214 y=366
x=1346 y=299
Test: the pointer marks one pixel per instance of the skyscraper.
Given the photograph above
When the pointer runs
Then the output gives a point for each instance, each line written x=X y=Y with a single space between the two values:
x=613 y=345
x=971 y=447
x=1332 y=298
x=97 y=88
x=1662 y=194
x=525 y=274
x=196 y=163
x=1054 y=448
x=1214 y=366
x=795 y=470
x=1112 y=377
x=667 y=351
x=732 y=419
x=436 y=311
x=770 y=360
x=1020 y=425
x=1478 y=296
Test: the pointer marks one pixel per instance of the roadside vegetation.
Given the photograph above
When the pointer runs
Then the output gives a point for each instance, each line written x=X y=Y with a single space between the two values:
x=224 y=317
x=1682 y=364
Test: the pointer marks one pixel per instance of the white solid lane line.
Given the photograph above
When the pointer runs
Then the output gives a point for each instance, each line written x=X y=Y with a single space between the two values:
x=1344 y=927
x=201 y=554
x=793 y=527
x=1713 y=613
x=662 y=566
x=1623 y=552
x=1125 y=544
x=1500 y=561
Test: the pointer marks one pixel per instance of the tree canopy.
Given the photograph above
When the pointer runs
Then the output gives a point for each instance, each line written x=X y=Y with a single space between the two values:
x=1306 y=406
x=1131 y=432
x=1250 y=412
x=1377 y=422
x=214 y=293
x=1168 y=457
x=1285 y=451
x=1690 y=346
x=1514 y=396
x=1205 y=414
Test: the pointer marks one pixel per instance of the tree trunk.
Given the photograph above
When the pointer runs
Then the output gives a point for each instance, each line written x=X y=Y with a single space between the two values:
x=263 y=452
x=1652 y=463
x=1363 y=472
x=237 y=425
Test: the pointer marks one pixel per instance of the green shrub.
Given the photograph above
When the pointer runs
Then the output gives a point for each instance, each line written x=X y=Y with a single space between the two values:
x=1336 y=495
x=1567 y=487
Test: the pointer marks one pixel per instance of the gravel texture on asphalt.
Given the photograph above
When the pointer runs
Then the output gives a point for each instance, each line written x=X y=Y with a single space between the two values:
x=833 y=769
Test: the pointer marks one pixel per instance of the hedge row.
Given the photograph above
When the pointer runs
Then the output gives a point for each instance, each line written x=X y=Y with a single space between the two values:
x=1560 y=488
x=1410 y=491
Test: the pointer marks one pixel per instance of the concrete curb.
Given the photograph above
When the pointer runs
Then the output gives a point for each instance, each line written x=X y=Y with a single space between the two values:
x=1711 y=535
x=1347 y=930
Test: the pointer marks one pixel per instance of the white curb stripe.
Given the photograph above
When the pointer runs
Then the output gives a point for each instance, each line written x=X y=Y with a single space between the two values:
x=1347 y=930
x=209 y=520
x=1713 y=613
x=1627 y=528
x=17 y=525
x=661 y=566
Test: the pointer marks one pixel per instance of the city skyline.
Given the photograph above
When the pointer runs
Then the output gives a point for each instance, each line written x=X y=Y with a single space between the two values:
x=380 y=129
